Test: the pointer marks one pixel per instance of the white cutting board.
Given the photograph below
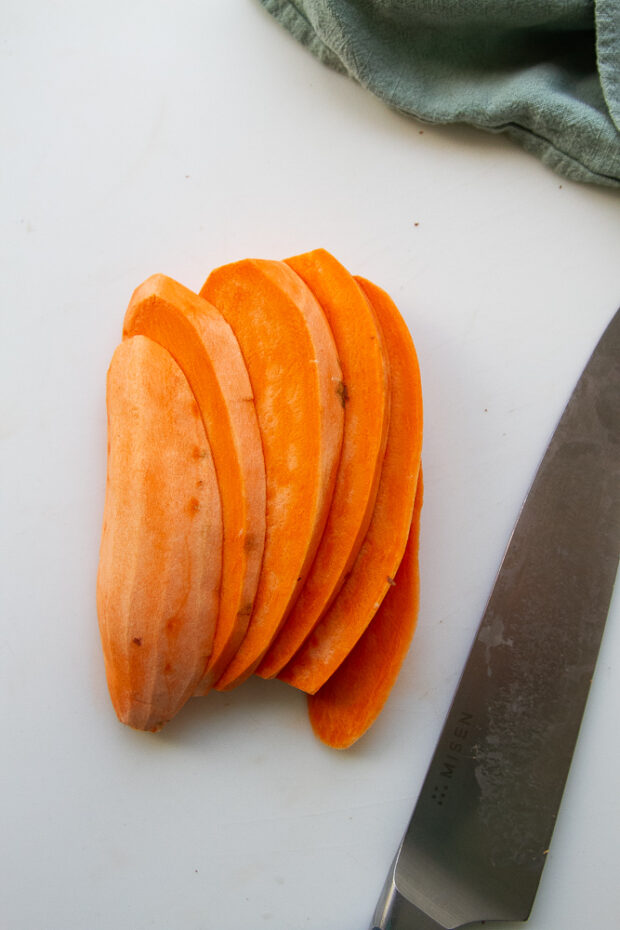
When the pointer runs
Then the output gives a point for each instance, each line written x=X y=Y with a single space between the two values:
x=158 y=137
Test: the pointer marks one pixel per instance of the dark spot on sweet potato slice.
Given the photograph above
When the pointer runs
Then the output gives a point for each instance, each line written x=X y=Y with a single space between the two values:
x=343 y=393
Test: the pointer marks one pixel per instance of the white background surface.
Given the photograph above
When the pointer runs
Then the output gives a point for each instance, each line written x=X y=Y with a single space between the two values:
x=148 y=137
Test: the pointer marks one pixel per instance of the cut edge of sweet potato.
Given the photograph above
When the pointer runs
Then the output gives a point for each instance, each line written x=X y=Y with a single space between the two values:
x=370 y=578
x=296 y=379
x=350 y=701
x=205 y=348
x=366 y=402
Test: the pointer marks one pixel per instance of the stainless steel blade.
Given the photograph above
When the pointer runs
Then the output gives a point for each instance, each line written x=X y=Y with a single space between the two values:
x=478 y=838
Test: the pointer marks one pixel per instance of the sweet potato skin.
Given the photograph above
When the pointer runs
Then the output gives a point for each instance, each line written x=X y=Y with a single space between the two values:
x=161 y=548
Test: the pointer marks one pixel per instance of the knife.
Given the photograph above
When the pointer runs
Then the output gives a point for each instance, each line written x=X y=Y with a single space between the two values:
x=479 y=835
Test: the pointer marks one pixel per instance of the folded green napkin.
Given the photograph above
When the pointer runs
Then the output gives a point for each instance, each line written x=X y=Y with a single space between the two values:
x=546 y=72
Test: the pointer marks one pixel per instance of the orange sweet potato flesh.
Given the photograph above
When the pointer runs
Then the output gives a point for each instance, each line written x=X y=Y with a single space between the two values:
x=297 y=383
x=373 y=571
x=161 y=548
x=365 y=399
x=204 y=346
x=351 y=700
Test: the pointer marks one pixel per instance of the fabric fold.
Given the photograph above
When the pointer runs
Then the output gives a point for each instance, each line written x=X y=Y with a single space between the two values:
x=607 y=17
x=545 y=72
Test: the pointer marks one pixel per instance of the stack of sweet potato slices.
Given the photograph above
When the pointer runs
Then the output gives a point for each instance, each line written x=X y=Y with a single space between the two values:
x=263 y=495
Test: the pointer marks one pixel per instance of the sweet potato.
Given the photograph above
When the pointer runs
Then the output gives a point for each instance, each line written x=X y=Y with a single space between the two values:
x=264 y=492
x=350 y=701
x=203 y=345
x=374 y=569
x=297 y=384
x=365 y=399
x=161 y=548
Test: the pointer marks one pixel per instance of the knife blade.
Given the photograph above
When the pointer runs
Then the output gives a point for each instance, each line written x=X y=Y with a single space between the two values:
x=479 y=835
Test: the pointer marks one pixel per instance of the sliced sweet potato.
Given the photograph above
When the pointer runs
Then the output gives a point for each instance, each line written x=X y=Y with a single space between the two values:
x=204 y=347
x=374 y=569
x=161 y=548
x=297 y=383
x=365 y=399
x=350 y=701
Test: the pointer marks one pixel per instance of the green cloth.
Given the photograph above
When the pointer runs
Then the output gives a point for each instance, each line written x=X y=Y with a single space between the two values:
x=546 y=72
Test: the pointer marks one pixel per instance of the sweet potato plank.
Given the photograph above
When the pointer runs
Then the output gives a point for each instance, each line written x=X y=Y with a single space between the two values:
x=351 y=700
x=365 y=399
x=374 y=569
x=204 y=347
x=161 y=548
x=297 y=384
